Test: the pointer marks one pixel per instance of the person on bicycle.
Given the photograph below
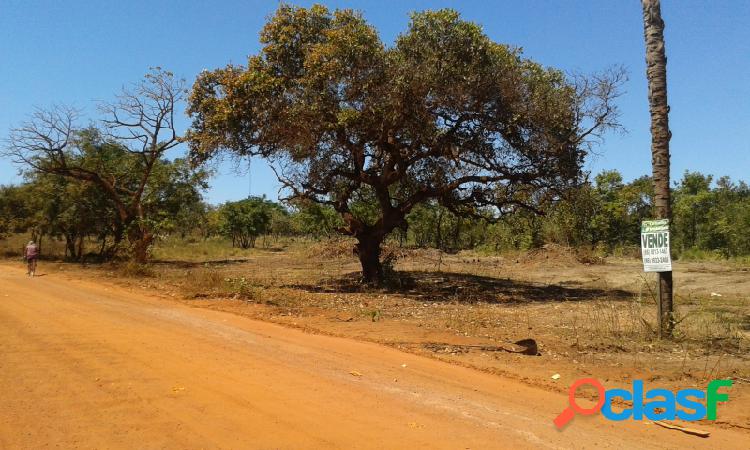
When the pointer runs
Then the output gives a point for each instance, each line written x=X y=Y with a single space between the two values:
x=31 y=254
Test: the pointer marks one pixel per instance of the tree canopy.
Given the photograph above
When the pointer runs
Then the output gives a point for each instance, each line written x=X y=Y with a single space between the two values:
x=444 y=114
x=245 y=220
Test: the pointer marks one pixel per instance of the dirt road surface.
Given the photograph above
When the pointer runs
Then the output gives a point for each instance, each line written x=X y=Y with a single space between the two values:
x=89 y=365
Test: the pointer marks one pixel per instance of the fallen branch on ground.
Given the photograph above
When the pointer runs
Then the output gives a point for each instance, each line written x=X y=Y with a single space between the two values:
x=524 y=346
x=693 y=431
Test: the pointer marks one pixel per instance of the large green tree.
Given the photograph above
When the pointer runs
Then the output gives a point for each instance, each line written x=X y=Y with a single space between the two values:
x=15 y=209
x=245 y=220
x=691 y=205
x=443 y=115
x=70 y=209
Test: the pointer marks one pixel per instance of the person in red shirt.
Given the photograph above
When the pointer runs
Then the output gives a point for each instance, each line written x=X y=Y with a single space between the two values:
x=31 y=254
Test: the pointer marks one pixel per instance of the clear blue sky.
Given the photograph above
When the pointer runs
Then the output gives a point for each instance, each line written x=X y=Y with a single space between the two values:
x=76 y=52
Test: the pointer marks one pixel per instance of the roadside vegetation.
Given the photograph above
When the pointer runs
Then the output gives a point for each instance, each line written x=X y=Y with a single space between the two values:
x=601 y=218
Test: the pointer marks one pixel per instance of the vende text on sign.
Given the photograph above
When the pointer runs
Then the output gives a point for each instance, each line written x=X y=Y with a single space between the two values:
x=655 y=246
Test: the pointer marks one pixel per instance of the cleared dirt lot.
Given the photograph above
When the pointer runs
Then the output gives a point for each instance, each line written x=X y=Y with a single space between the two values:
x=595 y=317
x=86 y=364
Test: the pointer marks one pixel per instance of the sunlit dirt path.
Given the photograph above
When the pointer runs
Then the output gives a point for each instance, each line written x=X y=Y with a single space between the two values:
x=87 y=365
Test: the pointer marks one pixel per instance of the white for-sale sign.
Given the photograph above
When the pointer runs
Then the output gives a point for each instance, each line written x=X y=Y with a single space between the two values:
x=655 y=246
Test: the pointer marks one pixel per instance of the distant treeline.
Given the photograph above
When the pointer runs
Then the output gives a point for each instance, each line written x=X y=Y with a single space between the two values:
x=708 y=216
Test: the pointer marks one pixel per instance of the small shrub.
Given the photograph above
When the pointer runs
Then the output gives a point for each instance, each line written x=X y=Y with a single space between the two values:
x=132 y=269
x=243 y=288
x=694 y=254
x=203 y=282
x=585 y=255
x=332 y=248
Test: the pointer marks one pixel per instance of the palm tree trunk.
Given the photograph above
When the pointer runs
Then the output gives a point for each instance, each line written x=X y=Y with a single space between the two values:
x=656 y=72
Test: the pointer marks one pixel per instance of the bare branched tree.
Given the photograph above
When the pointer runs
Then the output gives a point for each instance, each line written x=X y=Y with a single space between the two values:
x=139 y=121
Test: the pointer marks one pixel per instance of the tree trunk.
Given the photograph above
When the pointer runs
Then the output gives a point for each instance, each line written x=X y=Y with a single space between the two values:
x=104 y=245
x=656 y=72
x=141 y=240
x=368 y=250
x=70 y=245
x=118 y=232
x=457 y=234
x=439 y=230
x=79 y=256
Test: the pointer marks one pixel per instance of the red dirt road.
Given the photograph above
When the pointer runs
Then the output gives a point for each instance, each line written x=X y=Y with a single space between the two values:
x=87 y=365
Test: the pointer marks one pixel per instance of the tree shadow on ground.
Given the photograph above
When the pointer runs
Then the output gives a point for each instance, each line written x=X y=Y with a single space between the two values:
x=180 y=264
x=464 y=288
